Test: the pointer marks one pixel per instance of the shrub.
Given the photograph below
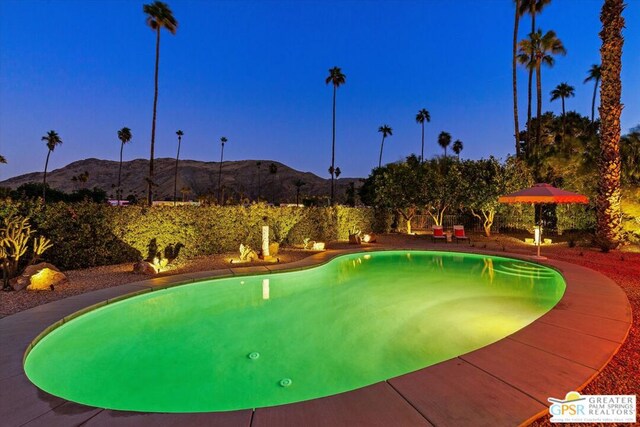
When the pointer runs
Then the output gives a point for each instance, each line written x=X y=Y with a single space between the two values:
x=87 y=234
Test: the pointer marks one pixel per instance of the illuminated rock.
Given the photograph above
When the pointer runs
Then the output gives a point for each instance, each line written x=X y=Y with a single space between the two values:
x=39 y=277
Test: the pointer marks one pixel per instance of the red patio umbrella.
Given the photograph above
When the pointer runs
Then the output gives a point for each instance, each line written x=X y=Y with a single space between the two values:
x=541 y=194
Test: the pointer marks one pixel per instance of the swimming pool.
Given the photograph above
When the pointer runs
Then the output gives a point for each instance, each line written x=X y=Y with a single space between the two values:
x=256 y=341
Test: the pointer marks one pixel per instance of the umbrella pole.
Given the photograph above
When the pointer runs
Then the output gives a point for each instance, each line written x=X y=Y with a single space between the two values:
x=539 y=227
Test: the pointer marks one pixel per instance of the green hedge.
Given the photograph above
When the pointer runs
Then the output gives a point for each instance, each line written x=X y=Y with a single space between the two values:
x=89 y=234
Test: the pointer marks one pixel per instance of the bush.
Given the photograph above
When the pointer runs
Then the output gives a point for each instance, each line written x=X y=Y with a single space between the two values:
x=87 y=234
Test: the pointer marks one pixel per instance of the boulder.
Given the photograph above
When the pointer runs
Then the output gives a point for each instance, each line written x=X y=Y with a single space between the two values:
x=39 y=277
x=144 y=267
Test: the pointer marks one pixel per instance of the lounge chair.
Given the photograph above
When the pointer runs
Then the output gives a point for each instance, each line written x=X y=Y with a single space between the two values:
x=438 y=233
x=458 y=233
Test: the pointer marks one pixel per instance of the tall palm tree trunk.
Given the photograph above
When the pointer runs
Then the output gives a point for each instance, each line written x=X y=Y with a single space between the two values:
x=175 y=175
x=153 y=123
x=530 y=85
x=220 y=176
x=297 y=195
x=119 y=195
x=563 y=118
x=538 y=107
x=333 y=144
x=593 y=101
x=609 y=227
x=515 y=81
x=422 y=149
x=381 y=147
x=44 y=181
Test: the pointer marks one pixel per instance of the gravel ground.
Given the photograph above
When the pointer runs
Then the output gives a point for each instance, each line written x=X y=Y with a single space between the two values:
x=620 y=376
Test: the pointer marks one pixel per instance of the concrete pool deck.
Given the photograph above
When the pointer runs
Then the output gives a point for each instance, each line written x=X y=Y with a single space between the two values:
x=504 y=383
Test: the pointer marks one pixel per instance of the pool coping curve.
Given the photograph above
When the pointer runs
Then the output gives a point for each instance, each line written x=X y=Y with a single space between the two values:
x=559 y=352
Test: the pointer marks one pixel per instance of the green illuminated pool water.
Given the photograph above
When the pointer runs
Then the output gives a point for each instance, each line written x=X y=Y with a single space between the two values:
x=228 y=344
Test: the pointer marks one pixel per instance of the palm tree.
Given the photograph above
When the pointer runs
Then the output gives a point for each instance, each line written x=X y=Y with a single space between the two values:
x=562 y=91
x=532 y=7
x=124 y=135
x=422 y=116
x=386 y=131
x=298 y=183
x=336 y=78
x=525 y=58
x=185 y=191
x=514 y=76
x=3 y=160
x=457 y=147
x=223 y=140
x=444 y=139
x=258 y=164
x=158 y=16
x=543 y=47
x=175 y=175
x=52 y=139
x=609 y=227
x=594 y=74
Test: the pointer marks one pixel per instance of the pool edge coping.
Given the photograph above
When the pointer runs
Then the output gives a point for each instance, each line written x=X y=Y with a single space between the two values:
x=322 y=258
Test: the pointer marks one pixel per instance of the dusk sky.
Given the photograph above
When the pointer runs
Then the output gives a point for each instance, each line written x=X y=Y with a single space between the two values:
x=254 y=71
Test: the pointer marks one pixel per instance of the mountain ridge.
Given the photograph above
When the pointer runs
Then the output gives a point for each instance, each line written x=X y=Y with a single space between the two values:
x=240 y=179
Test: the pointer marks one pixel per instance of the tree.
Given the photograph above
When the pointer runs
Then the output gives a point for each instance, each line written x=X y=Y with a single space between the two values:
x=223 y=140
x=543 y=47
x=185 y=191
x=386 y=131
x=562 y=91
x=258 y=165
x=3 y=160
x=514 y=76
x=444 y=139
x=396 y=186
x=336 y=78
x=525 y=58
x=485 y=180
x=273 y=171
x=158 y=16
x=441 y=186
x=609 y=226
x=175 y=177
x=124 y=135
x=53 y=140
x=457 y=147
x=298 y=183
x=595 y=74
x=422 y=116
x=533 y=8
x=630 y=156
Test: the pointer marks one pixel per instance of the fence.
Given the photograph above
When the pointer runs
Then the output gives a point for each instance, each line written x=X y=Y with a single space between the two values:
x=471 y=223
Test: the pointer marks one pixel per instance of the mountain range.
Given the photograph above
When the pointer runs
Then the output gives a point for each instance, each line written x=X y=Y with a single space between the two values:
x=269 y=180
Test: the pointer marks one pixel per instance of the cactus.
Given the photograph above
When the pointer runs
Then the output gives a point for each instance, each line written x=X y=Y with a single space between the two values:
x=14 y=243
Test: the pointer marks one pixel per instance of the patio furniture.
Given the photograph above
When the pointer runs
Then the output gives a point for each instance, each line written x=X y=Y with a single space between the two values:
x=438 y=233
x=458 y=233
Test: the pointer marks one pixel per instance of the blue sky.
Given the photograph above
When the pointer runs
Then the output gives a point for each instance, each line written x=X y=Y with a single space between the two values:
x=254 y=72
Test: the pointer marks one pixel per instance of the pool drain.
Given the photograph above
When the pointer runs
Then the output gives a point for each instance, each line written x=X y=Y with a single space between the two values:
x=254 y=355
x=285 y=382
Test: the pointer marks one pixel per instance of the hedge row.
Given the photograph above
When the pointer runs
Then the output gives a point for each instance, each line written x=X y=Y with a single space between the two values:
x=89 y=234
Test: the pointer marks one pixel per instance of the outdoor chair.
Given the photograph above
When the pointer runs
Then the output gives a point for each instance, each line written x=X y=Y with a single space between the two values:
x=458 y=233
x=438 y=233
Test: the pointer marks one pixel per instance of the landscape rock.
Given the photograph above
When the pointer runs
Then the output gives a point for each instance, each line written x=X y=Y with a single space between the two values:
x=39 y=277
x=144 y=267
